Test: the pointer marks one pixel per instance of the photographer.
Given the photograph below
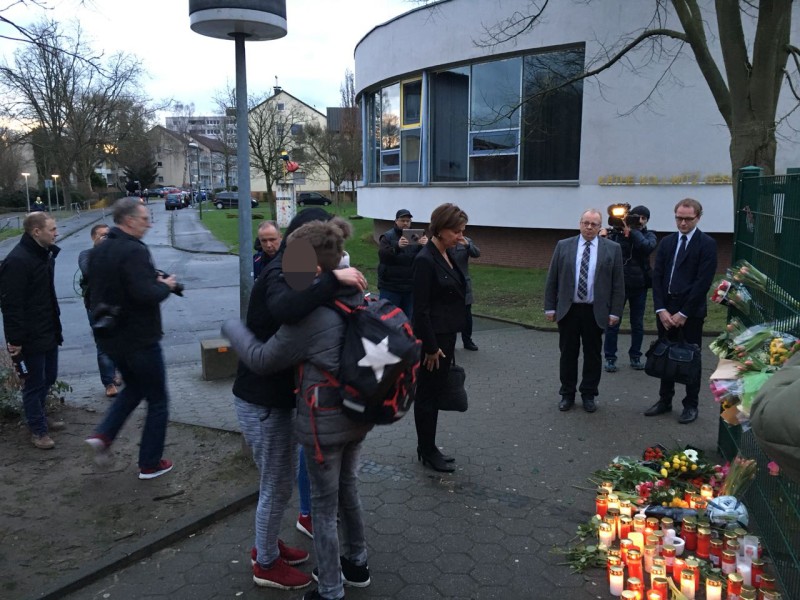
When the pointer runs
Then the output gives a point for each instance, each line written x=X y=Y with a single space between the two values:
x=637 y=243
x=125 y=292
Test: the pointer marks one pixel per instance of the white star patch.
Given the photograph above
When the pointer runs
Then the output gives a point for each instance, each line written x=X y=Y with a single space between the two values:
x=377 y=356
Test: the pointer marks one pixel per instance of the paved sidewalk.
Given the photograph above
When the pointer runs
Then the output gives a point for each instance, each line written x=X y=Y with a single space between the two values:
x=486 y=531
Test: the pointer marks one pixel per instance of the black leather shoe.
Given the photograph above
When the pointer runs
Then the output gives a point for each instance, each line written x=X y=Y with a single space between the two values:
x=688 y=415
x=435 y=461
x=588 y=404
x=659 y=408
x=470 y=345
x=445 y=457
x=566 y=403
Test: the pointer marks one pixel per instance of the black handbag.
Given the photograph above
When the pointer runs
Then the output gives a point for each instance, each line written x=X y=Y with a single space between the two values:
x=673 y=360
x=454 y=396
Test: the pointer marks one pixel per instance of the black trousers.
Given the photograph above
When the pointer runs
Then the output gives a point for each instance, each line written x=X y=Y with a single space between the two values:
x=466 y=335
x=429 y=385
x=578 y=327
x=692 y=333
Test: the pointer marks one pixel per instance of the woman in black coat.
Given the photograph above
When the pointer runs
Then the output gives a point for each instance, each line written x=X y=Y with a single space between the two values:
x=439 y=314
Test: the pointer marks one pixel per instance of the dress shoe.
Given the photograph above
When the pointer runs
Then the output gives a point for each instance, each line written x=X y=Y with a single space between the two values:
x=435 y=461
x=637 y=364
x=566 y=403
x=588 y=404
x=470 y=345
x=611 y=365
x=659 y=408
x=445 y=457
x=688 y=415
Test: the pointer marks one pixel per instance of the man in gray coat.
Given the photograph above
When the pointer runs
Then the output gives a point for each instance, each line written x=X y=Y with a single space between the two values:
x=584 y=293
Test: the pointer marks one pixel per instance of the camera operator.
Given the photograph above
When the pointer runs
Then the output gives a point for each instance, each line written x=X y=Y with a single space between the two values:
x=126 y=291
x=637 y=244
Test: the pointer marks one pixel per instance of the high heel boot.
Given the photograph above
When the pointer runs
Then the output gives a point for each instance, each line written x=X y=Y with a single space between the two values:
x=445 y=457
x=435 y=460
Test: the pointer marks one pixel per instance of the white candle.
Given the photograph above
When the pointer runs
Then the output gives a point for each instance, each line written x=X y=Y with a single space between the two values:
x=713 y=589
x=637 y=539
x=616 y=580
x=743 y=567
x=606 y=535
x=687 y=584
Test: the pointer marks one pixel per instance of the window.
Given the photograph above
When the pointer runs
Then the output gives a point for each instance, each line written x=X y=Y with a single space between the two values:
x=159 y=164
x=297 y=129
x=449 y=124
x=390 y=134
x=412 y=103
x=281 y=107
x=280 y=130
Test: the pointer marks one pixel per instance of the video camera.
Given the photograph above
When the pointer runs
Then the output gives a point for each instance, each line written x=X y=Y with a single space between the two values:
x=178 y=290
x=618 y=216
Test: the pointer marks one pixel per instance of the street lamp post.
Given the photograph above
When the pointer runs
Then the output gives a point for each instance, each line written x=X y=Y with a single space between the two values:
x=196 y=146
x=55 y=188
x=27 y=190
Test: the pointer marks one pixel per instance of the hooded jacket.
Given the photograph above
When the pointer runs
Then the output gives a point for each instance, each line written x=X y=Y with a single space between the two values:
x=31 y=315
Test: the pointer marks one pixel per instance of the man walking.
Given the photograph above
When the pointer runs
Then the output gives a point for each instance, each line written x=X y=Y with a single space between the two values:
x=395 y=271
x=126 y=291
x=31 y=319
x=584 y=293
x=684 y=269
x=108 y=370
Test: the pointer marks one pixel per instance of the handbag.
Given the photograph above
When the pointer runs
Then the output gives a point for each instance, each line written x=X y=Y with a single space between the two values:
x=673 y=360
x=454 y=397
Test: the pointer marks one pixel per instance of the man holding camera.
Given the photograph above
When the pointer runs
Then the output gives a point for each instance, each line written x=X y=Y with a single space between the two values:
x=637 y=243
x=395 y=270
x=126 y=291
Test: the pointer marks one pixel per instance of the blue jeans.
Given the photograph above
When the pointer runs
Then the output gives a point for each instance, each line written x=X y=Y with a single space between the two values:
x=303 y=484
x=106 y=366
x=269 y=432
x=403 y=300
x=334 y=488
x=636 y=299
x=145 y=377
x=42 y=373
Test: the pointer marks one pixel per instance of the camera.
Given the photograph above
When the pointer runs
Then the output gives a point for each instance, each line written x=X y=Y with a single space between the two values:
x=618 y=215
x=178 y=290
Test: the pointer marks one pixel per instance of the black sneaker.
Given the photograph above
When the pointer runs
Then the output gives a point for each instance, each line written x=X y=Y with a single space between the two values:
x=611 y=365
x=637 y=364
x=352 y=574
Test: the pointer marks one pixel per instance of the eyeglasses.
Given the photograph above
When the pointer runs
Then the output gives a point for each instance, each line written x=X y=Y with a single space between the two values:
x=685 y=219
x=590 y=224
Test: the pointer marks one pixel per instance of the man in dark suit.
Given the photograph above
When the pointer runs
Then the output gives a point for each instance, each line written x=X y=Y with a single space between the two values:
x=684 y=268
x=584 y=293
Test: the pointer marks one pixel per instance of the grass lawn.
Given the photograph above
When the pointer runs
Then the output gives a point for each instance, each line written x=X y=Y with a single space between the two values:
x=503 y=292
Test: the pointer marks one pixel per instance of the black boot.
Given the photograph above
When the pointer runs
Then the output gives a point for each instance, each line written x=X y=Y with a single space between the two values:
x=659 y=408
x=435 y=460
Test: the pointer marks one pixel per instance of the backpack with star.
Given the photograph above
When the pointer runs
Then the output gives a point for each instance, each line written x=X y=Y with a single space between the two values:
x=378 y=362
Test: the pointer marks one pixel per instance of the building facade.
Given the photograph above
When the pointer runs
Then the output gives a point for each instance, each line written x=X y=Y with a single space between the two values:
x=502 y=130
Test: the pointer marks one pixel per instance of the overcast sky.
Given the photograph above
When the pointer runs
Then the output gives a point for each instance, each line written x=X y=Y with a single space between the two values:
x=310 y=61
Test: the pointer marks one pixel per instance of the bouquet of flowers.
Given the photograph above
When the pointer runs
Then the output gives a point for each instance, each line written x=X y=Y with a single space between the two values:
x=736 y=296
x=745 y=273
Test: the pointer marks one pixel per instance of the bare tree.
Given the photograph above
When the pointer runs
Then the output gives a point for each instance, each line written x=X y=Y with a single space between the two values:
x=182 y=121
x=349 y=145
x=323 y=154
x=10 y=161
x=746 y=84
x=72 y=105
x=224 y=101
x=272 y=131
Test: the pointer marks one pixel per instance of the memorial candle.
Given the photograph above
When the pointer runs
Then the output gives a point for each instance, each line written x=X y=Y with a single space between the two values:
x=654 y=595
x=715 y=553
x=626 y=508
x=677 y=569
x=605 y=534
x=639 y=523
x=636 y=585
x=616 y=580
x=657 y=572
x=687 y=584
x=706 y=491
x=608 y=487
x=661 y=584
x=713 y=589
x=624 y=526
x=703 y=542
x=756 y=570
x=637 y=539
x=668 y=552
x=649 y=554
x=689 y=535
x=635 y=563
x=601 y=505
x=734 y=586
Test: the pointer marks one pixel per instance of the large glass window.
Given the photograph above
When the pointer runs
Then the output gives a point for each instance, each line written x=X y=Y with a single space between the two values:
x=449 y=124
x=390 y=134
x=551 y=116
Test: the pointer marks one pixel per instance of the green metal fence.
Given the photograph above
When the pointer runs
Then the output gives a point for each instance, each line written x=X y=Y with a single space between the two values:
x=767 y=234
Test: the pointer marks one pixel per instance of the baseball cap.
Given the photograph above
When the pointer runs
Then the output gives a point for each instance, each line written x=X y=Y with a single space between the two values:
x=403 y=212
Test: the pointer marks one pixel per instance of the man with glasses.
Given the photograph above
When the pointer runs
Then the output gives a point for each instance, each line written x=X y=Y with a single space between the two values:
x=684 y=269
x=584 y=294
x=125 y=293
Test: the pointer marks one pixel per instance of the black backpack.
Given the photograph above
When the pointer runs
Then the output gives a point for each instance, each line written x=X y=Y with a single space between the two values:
x=378 y=362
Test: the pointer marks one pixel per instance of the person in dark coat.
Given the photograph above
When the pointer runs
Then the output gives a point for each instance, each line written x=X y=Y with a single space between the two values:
x=685 y=264
x=440 y=290
x=266 y=246
x=331 y=440
x=463 y=251
x=395 y=269
x=637 y=243
x=125 y=294
x=31 y=319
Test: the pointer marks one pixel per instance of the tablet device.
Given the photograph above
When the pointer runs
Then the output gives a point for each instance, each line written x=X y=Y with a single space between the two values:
x=413 y=235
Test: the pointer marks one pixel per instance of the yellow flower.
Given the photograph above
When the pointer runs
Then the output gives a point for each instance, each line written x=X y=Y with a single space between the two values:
x=664 y=472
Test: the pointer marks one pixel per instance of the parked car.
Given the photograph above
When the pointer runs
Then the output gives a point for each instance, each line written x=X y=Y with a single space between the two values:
x=154 y=193
x=230 y=200
x=173 y=202
x=312 y=198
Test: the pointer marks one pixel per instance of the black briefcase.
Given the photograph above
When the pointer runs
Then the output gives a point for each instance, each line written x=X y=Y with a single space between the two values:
x=677 y=361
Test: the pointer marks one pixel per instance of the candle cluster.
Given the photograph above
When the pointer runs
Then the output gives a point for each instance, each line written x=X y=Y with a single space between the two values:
x=646 y=556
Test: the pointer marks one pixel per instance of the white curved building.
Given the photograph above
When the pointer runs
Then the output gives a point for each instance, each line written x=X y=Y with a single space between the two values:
x=445 y=122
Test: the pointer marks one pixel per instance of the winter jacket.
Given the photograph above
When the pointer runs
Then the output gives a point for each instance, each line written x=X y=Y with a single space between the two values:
x=121 y=274
x=636 y=251
x=313 y=345
x=396 y=268
x=31 y=316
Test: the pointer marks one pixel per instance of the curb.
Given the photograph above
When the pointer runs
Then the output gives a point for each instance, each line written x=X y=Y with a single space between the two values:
x=171 y=229
x=149 y=546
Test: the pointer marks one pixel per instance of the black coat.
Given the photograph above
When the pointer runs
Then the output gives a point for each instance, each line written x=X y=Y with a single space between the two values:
x=121 y=274
x=691 y=278
x=31 y=316
x=439 y=296
x=396 y=267
x=636 y=251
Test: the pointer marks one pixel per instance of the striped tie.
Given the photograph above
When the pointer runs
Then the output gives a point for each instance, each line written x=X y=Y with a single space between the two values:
x=583 y=279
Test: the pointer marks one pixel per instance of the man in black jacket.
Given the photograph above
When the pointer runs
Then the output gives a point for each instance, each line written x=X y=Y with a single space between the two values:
x=126 y=291
x=396 y=271
x=31 y=319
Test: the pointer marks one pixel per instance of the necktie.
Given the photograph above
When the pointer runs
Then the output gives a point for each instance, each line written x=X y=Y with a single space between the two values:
x=583 y=278
x=678 y=257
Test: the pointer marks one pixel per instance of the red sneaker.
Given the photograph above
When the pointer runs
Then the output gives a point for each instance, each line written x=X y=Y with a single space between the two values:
x=165 y=466
x=280 y=575
x=291 y=556
x=304 y=525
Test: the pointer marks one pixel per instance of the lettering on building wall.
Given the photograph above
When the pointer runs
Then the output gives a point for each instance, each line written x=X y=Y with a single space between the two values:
x=695 y=178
